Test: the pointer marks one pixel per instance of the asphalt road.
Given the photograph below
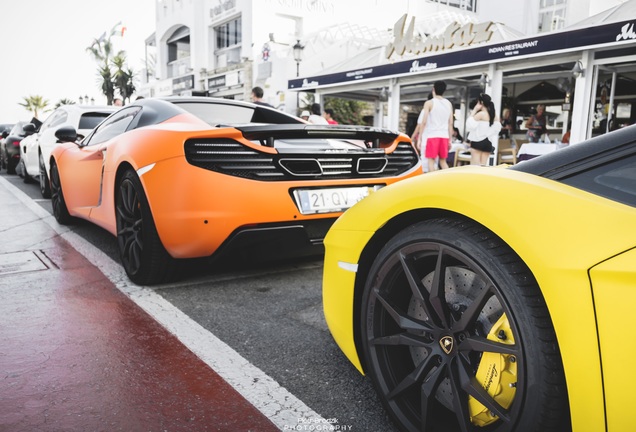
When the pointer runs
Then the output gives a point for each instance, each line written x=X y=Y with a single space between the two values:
x=271 y=314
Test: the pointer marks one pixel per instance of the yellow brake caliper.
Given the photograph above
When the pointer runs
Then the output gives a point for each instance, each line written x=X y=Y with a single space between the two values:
x=497 y=373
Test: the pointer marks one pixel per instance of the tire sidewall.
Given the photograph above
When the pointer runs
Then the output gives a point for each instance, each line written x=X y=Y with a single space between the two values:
x=60 y=210
x=156 y=265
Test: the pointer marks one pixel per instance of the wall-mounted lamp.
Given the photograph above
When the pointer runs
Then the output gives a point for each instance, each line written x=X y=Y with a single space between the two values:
x=483 y=80
x=578 y=70
x=384 y=94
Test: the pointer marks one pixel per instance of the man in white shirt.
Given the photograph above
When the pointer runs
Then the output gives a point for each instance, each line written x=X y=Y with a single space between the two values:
x=316 y=115
x=437 y=127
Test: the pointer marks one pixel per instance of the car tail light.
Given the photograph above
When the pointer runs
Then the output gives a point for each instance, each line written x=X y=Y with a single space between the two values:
x=16 y=143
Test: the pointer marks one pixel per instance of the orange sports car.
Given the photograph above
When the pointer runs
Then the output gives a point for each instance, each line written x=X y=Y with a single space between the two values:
x=195 y=177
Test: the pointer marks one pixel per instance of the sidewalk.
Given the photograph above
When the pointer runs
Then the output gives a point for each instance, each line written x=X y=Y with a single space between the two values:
x=76 y=354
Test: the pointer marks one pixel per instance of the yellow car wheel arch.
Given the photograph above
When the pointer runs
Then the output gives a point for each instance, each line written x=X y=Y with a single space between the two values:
x=449 y=319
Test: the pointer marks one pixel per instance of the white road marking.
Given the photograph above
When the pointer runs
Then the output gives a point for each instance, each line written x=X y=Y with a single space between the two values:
x=284 y=409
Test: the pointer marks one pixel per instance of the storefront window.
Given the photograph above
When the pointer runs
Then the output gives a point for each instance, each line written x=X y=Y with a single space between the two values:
x=552 y=15
x=179 y=45
x=228 y=34
x=179 y=52
x=613 y=107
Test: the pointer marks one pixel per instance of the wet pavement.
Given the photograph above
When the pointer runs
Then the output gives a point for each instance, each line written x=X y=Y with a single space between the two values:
x=76 y=354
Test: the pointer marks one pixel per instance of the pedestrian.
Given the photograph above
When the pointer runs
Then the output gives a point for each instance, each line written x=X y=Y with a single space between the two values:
x=457 y=137
x=507 y=125
x=536 y=125
x=316 y=117
x=483 y=128
x=305 y=115
x=417 y=132
x=437 y=126
x=257 y=97
x=329 y=116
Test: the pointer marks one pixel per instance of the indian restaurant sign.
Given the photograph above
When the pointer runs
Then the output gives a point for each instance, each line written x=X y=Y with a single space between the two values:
x=437 y=54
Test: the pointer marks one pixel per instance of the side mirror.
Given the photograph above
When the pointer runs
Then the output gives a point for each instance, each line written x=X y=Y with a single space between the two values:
x=29 y=129
x=66 y=134
x=5 y=134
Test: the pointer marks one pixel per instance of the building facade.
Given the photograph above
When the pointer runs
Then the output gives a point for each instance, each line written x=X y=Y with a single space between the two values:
x=389 y=52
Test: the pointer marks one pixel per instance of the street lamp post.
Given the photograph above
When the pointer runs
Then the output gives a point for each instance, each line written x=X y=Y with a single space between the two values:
x=298 y=57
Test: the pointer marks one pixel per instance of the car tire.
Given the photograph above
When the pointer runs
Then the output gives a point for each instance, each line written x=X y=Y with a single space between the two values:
x=22 y=172
x=142 y=254
x=10 y=165
x=45 y=185
x=475 y=347
x=60 y=211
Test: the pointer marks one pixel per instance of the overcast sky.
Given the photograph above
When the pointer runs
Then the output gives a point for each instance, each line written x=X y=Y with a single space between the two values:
x=43 y=45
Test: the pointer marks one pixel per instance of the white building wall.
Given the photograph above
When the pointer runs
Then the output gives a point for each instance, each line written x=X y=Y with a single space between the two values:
x=331 y=31
x=522 y=16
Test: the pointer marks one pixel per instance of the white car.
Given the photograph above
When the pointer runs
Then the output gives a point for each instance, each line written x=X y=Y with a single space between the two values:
x=35 y=150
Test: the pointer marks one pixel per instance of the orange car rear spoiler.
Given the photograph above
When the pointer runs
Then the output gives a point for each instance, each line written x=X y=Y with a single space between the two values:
x=267 y=134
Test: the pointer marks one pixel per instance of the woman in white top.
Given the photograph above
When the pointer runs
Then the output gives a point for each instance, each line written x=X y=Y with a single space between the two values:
x=483 y=128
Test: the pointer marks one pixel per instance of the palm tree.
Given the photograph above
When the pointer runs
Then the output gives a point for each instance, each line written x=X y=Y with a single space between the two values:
x=129 y=88
x=64 y=102
x=123 y=77
x=108 y=88
x=35 y=104
x=101 y=50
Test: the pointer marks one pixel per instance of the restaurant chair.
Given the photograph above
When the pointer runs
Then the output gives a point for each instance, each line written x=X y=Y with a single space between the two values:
x=462 y=158
x=506 y=152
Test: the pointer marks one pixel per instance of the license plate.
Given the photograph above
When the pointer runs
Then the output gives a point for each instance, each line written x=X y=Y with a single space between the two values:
x=312 y=201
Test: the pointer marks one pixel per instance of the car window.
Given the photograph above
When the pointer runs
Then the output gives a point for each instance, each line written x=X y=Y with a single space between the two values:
x=47 y=123
x=215 y=114
x=17 y=129
x=91 y=120
x=60 y=118
x=115 y=125
x=615 y=180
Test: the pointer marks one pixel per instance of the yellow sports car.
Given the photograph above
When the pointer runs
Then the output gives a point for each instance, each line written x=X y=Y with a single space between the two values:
x=495 y=299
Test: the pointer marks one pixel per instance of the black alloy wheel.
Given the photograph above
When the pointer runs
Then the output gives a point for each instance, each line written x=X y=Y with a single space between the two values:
x=142 y=254
x=456 y=334
x=60 y=211
x=45 y=187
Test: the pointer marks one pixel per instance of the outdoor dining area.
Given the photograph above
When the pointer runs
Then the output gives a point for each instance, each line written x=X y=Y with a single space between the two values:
x=508 y=151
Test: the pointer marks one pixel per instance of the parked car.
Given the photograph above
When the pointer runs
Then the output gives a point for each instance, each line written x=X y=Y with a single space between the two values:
x=10 y=147
x=195 y=177
x=5 y=127
x=35 y=151
x=483 y=298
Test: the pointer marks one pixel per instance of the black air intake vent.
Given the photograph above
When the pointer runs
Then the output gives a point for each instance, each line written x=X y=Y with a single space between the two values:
x=230 y=157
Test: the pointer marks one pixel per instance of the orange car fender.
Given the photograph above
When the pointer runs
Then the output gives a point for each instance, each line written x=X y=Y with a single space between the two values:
x=198 y=209
x=141 y=148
